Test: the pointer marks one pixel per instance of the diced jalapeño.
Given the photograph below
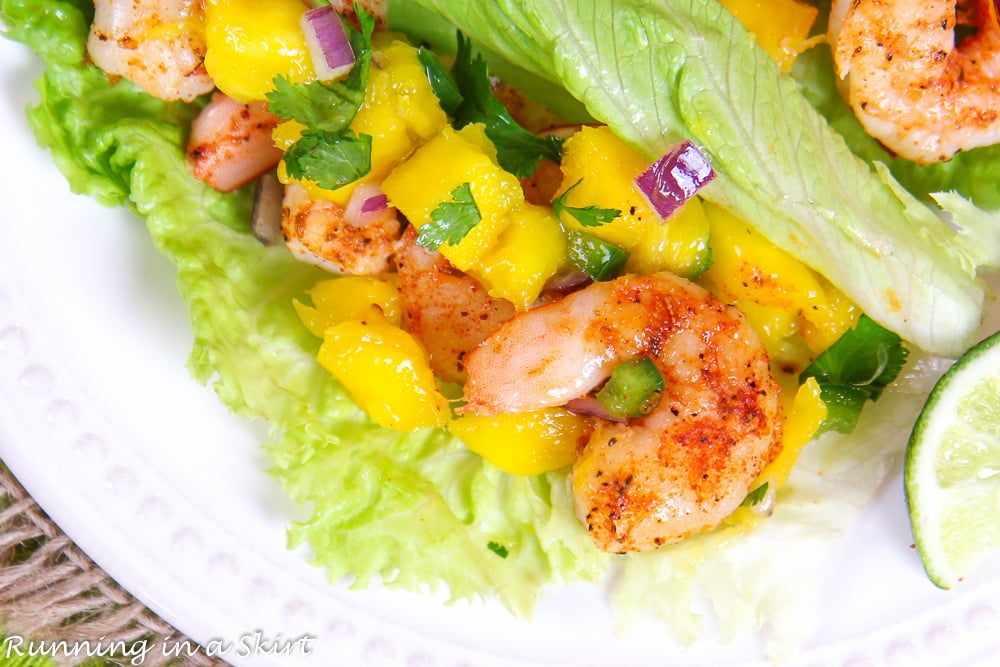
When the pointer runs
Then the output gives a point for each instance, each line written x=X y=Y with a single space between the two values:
x=633 y=390
x=597 y=258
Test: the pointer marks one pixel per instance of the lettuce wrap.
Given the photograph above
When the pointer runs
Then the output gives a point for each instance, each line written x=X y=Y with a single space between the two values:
x=419 y=509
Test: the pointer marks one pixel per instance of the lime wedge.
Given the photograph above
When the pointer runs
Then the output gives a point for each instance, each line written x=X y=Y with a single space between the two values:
x=952 y=469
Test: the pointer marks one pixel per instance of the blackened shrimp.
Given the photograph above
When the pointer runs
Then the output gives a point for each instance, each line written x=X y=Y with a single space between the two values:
x=230 y=143
x=322 y=232
x=448 y=311
x=691 y=462
x=916 y=88
x=159 y=45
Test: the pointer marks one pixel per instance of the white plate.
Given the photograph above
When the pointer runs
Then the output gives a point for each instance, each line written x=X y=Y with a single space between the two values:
x=167 y=491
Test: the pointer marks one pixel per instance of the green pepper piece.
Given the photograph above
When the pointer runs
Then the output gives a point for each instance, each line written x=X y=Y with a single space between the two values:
x=598 y=259
x=633 y=390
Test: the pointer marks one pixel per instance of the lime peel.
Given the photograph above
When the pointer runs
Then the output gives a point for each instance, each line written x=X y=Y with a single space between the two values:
x=952 y=457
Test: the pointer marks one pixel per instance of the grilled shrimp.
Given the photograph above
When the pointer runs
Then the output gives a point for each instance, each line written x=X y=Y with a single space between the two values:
x=448 y=311
x=159 y=45
x=230 y=143
x=914 y=88
x=690 y=463
x=325 y=234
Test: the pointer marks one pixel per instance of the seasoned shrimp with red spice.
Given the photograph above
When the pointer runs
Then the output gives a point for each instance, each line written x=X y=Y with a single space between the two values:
x=159 y=45
x=683 y=468
x=914 y=86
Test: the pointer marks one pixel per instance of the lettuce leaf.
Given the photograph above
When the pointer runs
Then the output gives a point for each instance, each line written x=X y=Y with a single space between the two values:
x=659 y=72
x=411 y=509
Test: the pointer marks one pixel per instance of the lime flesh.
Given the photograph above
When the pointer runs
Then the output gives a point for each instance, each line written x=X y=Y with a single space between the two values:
x=952 y=468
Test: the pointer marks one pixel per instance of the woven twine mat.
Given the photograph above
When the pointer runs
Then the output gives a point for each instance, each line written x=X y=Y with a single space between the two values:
x=51 y=591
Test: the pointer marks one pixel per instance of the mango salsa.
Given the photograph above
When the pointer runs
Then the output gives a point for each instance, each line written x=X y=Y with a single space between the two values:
x=385 y=371
x=525 y=443
x=601 y=169
x=400 y=112
x=795 y=311
x=515 y=247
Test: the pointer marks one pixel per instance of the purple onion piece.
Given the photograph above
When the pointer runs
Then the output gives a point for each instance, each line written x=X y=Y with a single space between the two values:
x=375 y=203
x=588 y=406
x=328 y=43
x=675 y=178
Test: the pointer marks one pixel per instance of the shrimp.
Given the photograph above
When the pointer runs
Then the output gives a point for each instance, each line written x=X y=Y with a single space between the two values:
x=230 y=143
x=448 y=311
x=159 y=45
x=691 y=462
x=914 y=88
x=321 y=232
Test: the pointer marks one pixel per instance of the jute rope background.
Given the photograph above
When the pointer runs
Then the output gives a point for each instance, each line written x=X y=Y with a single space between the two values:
x=51 y=591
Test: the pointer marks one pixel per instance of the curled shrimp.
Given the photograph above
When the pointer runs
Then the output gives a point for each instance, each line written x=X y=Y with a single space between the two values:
x=913 y=86
x=230 y=143
x=448 y=311
x=323 y=233
x=690 y=463
x=159 y=45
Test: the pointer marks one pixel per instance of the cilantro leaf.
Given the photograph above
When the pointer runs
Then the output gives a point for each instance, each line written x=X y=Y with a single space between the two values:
x=498 y=549
x=856 y=369
x=755 y=497
x=518 y=151
x=331 y=160
x=442 y=82
x=588 y=216
x=451 y=221
x=329 y=152
x=319 y=105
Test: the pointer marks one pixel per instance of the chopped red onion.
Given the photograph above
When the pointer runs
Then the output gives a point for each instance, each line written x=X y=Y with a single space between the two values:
x=673 y=179
x=588 y=406
x=368 y=204
x=328 y=43
x=374 y=203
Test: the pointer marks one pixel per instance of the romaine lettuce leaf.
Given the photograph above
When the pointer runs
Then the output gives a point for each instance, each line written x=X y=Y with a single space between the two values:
x=659 y=72
x=413 y=509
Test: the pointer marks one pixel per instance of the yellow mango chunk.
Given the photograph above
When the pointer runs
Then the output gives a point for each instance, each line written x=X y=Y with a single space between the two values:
x=781 y=27
x=528 y=252
x=779 y=294
x=805 y=416
x=249 y=43
x=679 y=245
x=524 y=443
x=606 y=167
x=449 y=160
x=349 y=298
x=385 y=371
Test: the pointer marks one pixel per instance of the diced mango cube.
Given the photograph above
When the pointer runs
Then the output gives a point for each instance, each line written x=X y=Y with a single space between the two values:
x=528 y=252
x=679 y=245
x=430 y=176
x=385 y=371
x=248 y=44
x=781 y=27
x=348 y=298
x=606 y=167
x=525 y=443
